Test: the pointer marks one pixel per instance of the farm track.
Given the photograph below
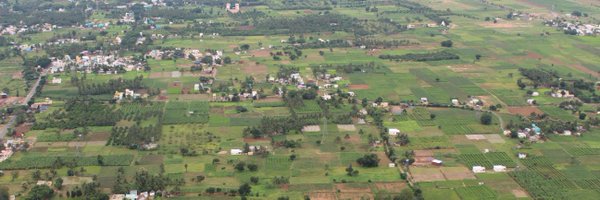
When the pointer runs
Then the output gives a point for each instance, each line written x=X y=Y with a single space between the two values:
x=13 y=119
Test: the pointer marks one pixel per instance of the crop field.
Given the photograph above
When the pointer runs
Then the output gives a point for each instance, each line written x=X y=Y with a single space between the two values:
x=300 y=99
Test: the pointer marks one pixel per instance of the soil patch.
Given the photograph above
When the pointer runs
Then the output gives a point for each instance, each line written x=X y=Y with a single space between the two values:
x=457 y=173
x=322 y=195
x=495 y=139
x=101 y=136
x=520 y=193
x=424 y=174
x=312 y=128
x=261 y=53
x=254 y=69
x=524 y=110
x=346 y=127
x=250 y=140
x=391 y=186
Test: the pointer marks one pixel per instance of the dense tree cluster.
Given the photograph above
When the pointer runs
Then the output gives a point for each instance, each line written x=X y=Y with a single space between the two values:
x=540 y=77
x=369 y=160
x=80 y=112
x=378 y=43
x=108 y=87
x=433 y=56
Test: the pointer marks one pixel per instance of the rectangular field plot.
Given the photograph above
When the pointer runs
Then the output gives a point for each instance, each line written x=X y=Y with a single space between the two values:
x=476 y=192
x=186 y=112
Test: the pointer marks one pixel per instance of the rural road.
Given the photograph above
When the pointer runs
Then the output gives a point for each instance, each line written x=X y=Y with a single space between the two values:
x=13 y=119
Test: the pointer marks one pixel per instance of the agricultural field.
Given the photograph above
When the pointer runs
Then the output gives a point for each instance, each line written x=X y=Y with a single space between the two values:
x=272 y=99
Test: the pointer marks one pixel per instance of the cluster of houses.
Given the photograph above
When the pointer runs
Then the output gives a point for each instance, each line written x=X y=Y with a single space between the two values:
x=127 y=93
x=577 y=28
x=533 y=133
x=560 y=93
x=158 y=54
x=95 y=25
x=95 y=62
x=250 y=151
x=12 y=29
x=255 y=95
x=41 y=106
x=134 y=195
x=293 y=78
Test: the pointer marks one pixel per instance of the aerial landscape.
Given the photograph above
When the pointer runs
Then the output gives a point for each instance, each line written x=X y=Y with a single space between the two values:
x=300 y=99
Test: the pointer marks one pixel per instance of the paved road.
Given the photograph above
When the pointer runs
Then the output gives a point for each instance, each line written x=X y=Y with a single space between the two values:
x=13 y=119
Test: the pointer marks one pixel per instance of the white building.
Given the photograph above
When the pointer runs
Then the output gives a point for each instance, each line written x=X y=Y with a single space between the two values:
x=393 y=131
x=478 y=169
x=235 y=152
x=499 y=168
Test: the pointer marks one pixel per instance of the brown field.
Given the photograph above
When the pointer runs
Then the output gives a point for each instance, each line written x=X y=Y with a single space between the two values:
x=457 y=173
x=17 y=75
x=502 y=24
x=346 y=127
x=102 y=136
x=257 y=70
x=11 y=100
x=520 y=193
x=353 y=192
x=322 y=195
x=187 y=97
x=358 y=86
x=524 y=110
x=260 y=53
x=391 y=186
x=424 y=174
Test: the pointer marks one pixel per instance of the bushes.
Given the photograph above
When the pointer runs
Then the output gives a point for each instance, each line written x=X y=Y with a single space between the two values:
x=486 y=119
x=369 y=160
x=38 y=162
x=447 y=43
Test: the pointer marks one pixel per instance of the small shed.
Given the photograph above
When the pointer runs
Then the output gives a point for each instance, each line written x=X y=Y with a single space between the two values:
x=437 y=162
x=393 y=131
x=236 y=152
x=392 y=165
x=499 y=168
x=478 y=169
x=522 y=155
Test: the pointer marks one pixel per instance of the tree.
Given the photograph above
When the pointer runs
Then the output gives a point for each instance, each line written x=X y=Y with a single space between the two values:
x=369 y=160
x=254 y=179
x=582 y=116
x=240 y=166
x=252 y=167
x=245 y=47
x=58 y=182
x=227 y=60
x=40 y=192
x=350 y=171
x=478 y=57
x=432 y=116
x=447 y=43
x=244 y=189
x=521 y=84
x=100 y=160
x=486 y=119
